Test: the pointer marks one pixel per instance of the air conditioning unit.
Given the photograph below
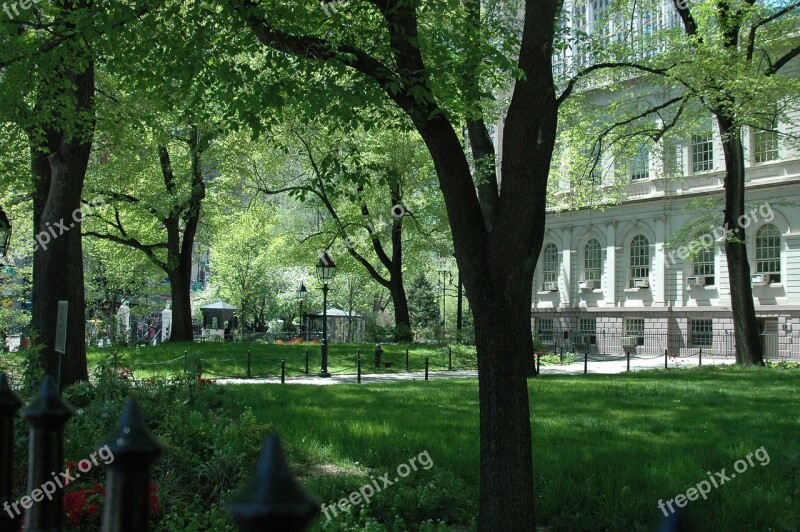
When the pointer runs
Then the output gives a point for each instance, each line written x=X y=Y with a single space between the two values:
x=589 y=284
x=551 y=287
x=641 y=283
x=629 y=341
x=696 y=281
x=759 y=279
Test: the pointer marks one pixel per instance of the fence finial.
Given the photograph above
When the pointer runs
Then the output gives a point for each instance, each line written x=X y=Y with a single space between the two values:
x=134 y=450
x=273 y=499
x=46 y=417
x=9 y=404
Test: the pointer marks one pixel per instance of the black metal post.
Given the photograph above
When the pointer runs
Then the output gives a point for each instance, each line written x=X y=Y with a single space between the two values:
x=185 y=362
x=9 y=405
x=46 y=417
x=406 y=359
x=665 y=358
x=358 y=364
x=628 y=356
x=134 y=450
x=324 y=369
x=586 y=363
x=306 y=361
x=561 y=354
x=283 y=372
x=302 y=336
x=701 y=357
x=459 y=309
x=538 y=362
x=426 y=367
x=273 y=499
x=449 y=358
x=249 y=363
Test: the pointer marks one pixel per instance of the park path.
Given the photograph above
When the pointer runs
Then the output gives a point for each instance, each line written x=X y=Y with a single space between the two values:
x=610 y=366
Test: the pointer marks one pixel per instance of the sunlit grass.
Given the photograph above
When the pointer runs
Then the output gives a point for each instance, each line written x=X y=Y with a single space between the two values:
x=606 y=448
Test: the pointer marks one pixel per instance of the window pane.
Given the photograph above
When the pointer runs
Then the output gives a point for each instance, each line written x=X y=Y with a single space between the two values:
x=545 y=330
x=592 y=261
x=640 y=164
x=640 y=257
x=702 y=152
x=704 y=265
x=768 y=252
x=765 y=145
x=550 y=263
x=701 y=333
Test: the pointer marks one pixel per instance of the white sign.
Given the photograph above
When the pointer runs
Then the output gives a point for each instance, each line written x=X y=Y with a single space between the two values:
x=61 y=327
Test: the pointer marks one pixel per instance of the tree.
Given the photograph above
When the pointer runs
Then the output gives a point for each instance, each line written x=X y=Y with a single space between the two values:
x=160 y=221
x=727 y=59
x=424 y=303
x=359 y=180
x=497 y=234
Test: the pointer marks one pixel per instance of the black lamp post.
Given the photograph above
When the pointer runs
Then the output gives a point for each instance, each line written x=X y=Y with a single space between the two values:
x=326 y=270
x=5 y=233
x=302 y=292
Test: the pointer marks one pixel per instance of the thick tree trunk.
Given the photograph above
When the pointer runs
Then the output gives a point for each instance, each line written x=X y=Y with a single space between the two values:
x=58 y=165
x=745 y=325
x=179 y=284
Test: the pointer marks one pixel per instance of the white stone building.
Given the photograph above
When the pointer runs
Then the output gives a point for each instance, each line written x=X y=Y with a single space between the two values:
x=605 y=281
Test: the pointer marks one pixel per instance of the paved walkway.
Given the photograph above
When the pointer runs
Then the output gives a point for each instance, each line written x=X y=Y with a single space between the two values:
x=596 y=365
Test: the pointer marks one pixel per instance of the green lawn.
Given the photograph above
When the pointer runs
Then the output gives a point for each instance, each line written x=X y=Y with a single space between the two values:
x=231 y=359
x=606 y=448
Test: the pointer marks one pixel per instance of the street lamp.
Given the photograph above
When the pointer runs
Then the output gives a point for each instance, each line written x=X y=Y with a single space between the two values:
x=326 y=271
x=302 y=292
x=5 y=233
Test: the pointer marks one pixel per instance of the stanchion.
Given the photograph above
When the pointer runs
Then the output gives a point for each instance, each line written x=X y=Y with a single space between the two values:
x=628 y=356
x=283 y=372
x=449 y=358
x=701 y=357
x=306 y=361
x=406 y=359
x=538 y=362
x=358 y=364
x=585 y=363
x=249 y=364
x=185 y=362
x=665 y=358
x=426 y=368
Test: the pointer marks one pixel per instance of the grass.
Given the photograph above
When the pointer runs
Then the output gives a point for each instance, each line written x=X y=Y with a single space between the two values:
x=606 y=448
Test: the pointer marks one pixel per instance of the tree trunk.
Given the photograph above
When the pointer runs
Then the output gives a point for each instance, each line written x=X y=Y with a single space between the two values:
x=179 y=284
x=506 y=471
x=402 y=317
x=745 y=326
x=58 y=165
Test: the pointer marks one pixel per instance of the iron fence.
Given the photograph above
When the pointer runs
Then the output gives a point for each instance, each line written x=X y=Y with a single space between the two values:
x=273 y=501
x=777 y=346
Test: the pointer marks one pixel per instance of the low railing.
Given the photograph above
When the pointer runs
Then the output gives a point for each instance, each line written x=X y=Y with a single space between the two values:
x=272 y=501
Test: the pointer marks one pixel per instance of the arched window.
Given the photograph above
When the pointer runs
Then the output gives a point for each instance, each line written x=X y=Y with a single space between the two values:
x=640 y=259
x=592 y=261
x=768 y=252
x=550 y=265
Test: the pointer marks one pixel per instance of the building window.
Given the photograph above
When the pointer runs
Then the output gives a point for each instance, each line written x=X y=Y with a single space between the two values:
x=550 y=265
x=640 y=164
x=635 y=327
x=765 y=144
x=702 y=152
x=600 y=25
x=640 y=258
x=544 y=326
x=768 y=252
x=592 y=261
x=587 y=331
x=701 y=333
x=704 y=265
